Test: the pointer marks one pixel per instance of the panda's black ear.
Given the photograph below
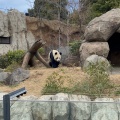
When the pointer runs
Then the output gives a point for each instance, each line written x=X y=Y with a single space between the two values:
x=51 y=56
x=55 y=53
x=60 y=53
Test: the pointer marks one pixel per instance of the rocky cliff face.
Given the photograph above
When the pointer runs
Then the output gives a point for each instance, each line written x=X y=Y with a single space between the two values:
x=51 y=30
x=13 y=28
x=22 y=31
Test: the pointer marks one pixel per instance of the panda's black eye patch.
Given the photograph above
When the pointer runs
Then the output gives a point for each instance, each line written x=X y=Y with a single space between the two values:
x=55 y=53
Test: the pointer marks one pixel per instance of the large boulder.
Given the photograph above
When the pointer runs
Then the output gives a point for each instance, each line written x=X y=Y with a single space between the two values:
x=94 y=59
x=102 y=28
x=4 y=76
x=17 y=76
x=90 y=48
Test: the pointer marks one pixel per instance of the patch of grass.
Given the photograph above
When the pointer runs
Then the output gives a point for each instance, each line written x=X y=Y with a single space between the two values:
x=54 y=84
x=98 y=81
x=62 y=70
x=117 y=93
x=96 y=84
x=13 y=86
x=12 y=67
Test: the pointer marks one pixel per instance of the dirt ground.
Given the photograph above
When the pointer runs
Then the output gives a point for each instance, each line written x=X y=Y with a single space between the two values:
x=38 y=76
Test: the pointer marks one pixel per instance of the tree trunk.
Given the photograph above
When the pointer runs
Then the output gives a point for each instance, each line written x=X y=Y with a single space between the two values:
x=33 y=52
x=26 y=59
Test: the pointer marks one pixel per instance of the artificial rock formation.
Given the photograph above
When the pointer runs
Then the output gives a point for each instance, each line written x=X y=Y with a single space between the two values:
x=95 y=59
x=23 y=30
x=89 y=48
x=102 y=28
x=63 y=106
x=48 y=30
x=13 y=26
x=17 y=76
x=102 y=36
x=4 y=25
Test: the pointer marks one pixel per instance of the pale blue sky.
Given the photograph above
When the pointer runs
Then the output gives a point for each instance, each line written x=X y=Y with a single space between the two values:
x=21 y=5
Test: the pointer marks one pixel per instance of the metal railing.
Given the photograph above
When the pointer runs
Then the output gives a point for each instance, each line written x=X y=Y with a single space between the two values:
x=6 y=101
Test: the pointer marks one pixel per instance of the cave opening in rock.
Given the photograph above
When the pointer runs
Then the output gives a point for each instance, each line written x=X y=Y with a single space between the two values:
x=114 y=53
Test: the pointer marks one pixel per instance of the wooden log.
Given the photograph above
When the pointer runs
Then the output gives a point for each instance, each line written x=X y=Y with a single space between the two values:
x=38 y=44
x=33 y=52
x=26 y=59
x=40 y=58
x=32 y=62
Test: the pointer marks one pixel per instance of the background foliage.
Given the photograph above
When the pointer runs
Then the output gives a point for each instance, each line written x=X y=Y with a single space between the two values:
x=77 y=11
x=74 y=47
x=98 y=7
x=49 y=9
x=11 y=57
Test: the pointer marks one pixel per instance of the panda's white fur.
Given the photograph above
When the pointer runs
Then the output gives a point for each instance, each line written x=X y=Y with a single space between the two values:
x=54 y=58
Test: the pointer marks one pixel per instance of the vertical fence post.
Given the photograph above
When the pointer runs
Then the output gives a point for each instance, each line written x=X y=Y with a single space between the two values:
x=6 y=101
x=6 y=107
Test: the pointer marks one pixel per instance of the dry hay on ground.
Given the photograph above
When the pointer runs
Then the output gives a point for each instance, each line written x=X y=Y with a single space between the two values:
x=38 y=77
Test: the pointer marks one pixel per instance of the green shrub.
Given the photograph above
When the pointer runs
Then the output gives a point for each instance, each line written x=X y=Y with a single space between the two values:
x=15 y=56
x=10 y=57
x=97 y=81
x=41 y=51
x=54 y=84
x=12 y=67
x=74 y=47
x=3 y=61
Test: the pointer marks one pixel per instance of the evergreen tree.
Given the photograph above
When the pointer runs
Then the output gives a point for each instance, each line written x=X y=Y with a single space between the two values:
x=49 y=9
x=99 y=7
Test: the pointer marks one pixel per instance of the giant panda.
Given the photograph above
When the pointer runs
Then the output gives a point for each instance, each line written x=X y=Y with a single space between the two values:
x=54 y=58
